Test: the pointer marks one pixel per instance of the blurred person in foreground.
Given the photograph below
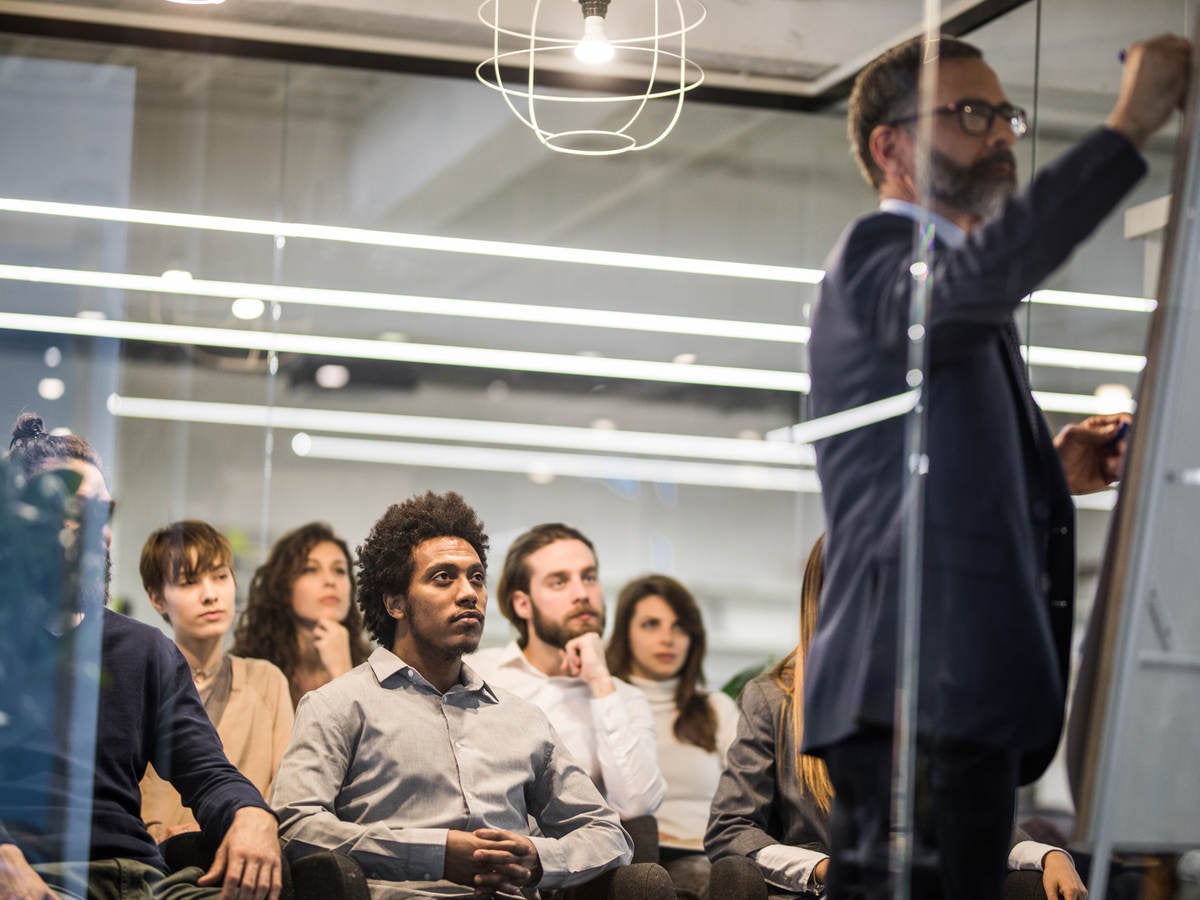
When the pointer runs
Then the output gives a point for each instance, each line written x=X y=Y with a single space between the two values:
x=998 y=567
x=147 y=711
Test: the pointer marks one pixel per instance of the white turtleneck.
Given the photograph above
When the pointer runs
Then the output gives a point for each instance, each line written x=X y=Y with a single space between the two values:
x=691 y=773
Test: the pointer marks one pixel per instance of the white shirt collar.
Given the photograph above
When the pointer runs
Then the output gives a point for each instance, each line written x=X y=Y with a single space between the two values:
x=944 y=230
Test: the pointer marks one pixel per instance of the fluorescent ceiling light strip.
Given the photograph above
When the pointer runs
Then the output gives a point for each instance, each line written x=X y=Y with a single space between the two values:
x=1059 y=357
x=410 y=241
x=558 y=464
x=1079 y=404
x=1062 y=357
x=513 y=250
x=408 y=303
x=428 y=354
x=847 y=420
x=1114 y=302
x=467 y=430
x=890 y=407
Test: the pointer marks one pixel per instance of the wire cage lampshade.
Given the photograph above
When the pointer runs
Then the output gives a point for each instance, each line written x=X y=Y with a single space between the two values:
x=562 y=66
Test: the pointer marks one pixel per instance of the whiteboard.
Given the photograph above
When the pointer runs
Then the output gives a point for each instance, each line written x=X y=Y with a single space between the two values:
x=1134 y=739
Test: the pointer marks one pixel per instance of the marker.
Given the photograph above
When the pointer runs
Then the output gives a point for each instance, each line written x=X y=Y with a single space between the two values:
x=1121 y=56
x=1122 y=433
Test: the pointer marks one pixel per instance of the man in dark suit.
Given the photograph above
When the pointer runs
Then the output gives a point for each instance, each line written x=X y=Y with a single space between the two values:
x=998 y=564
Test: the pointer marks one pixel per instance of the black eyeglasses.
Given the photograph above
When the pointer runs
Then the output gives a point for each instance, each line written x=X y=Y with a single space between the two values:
x=976 y=117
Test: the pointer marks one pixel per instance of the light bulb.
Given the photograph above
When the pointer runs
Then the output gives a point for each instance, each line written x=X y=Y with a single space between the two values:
x=593 y=48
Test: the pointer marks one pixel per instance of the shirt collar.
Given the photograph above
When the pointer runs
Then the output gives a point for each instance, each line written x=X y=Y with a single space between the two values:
x=943 y=229
x=386 y=664
x=513 y=657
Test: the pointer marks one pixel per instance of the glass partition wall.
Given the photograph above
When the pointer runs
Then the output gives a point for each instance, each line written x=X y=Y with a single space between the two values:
x=272 y=293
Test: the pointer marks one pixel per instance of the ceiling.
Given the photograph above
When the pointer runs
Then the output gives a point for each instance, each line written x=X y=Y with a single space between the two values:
x=343 y=139
x=790 y=52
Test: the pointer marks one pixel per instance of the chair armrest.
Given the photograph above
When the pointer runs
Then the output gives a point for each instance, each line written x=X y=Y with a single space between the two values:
x=644 y=832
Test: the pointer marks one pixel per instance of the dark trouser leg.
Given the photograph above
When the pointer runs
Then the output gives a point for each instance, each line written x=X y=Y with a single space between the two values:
x=963 y=821
x=122 y=879
x=972 y=789
x=860 y=769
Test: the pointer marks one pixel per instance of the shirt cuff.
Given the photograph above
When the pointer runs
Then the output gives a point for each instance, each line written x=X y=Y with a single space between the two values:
x=422 y=853
x=552 y=860
x=1028 y=855
x=609 y=713
x=790 y=868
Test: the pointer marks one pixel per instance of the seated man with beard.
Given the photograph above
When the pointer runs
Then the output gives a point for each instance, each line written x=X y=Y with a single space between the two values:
x=147 y=710
x=550 y=590
x=415 y=766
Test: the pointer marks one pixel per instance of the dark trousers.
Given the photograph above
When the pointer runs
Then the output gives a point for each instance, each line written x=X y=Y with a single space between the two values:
x=964 y=806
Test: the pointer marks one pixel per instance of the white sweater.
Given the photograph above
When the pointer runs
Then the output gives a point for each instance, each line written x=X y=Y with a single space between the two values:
x=691 y=773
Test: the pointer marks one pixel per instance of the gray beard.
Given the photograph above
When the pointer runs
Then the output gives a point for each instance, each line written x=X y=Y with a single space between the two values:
x=970 y=188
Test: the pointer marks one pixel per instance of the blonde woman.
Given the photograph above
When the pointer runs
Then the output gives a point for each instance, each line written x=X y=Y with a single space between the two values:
x=768 y=830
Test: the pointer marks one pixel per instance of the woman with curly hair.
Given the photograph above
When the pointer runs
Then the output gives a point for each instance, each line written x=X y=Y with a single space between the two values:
x=300 y=612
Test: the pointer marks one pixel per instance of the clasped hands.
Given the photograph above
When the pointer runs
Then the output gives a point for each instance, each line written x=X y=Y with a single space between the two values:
x=491 y=860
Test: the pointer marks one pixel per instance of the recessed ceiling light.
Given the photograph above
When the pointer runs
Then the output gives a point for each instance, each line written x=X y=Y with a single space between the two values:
x=51 y=388
x=96 y=315
x=541 y=475
x=604 y=424
x=498 y=390
x=248 y=308
x=684 y=359
x=332 y=376
x=749 y=434
x=176 y=275
x=52 y=357
x=61 y=431
x=398 y=337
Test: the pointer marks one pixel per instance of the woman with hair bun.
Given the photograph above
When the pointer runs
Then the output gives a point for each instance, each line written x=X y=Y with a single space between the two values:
x=300 y=612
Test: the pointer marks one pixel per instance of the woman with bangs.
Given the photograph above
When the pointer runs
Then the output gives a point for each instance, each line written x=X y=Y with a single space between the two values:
x=187 y=572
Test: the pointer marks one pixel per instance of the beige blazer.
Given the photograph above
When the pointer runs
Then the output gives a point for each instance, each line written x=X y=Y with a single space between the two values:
x=254 y=731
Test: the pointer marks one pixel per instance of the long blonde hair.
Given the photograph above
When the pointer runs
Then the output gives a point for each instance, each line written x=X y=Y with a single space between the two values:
x=789 y=675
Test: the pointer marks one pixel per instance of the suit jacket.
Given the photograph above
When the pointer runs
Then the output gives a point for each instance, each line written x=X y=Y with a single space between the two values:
x=760 y=800
x=998 y=569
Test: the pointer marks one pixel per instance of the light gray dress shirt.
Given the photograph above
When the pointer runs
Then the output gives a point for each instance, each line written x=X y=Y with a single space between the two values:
x=381 y=765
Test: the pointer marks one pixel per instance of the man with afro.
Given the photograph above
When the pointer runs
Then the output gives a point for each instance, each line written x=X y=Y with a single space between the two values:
x=417 y=768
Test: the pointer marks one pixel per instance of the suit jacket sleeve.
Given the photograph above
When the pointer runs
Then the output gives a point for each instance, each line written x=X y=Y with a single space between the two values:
x=747 y=812
x=977 y=286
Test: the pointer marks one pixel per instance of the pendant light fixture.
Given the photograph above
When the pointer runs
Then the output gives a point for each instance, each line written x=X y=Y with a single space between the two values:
x=585 y=47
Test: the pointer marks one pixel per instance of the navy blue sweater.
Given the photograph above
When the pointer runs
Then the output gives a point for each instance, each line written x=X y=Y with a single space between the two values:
x=147 y=710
